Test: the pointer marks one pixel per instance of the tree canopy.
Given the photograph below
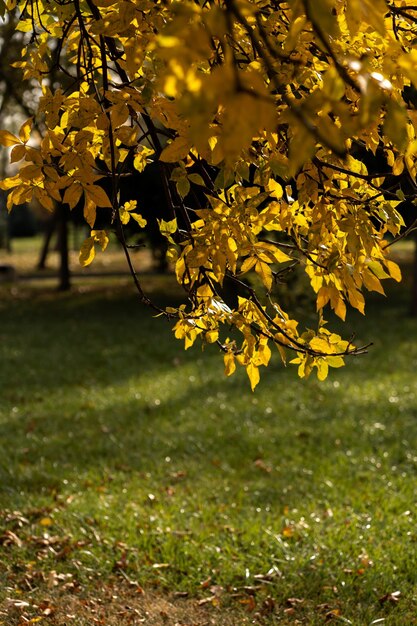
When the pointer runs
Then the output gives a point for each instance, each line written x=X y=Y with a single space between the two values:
x=261 y=116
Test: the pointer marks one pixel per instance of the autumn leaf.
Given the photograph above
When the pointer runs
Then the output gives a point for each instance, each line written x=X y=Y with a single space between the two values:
x=88 y=252
x=176 y=150
x=25 y=130
x=8 y=139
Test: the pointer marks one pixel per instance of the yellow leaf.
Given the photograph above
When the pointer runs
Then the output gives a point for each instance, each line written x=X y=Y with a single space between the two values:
x=9 y=183
x=97 y=195
x=141 y=158
x=89 y=211
x=408 y=62
x=168 y=228
x=356 y=299
x=340 y=308
x=395 y=125
x=253 y=375
x=44 y=198
x=335 y=361
x=196 y=179
x=176 y=150
x=393 y=270
x=124 y=215
x=323 y=16
x=119 y=114
x=229 y=363
x=265 y=273
x=275 y=189
x=8 y=139
x=139 y=219
x=398 y=166
x=72 y=195
x=211 y=336
x=372 y=283
x=25 y=129
x=17 y=153
x=87 y=252
x=101 y=237
x=322 y=369
x=323 y=297
x=248 y=264
x=183 y=187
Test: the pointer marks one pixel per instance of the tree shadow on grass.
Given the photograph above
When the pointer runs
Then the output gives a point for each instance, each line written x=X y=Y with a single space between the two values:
x=127 y=415
x=281 y=443
x=95 y=384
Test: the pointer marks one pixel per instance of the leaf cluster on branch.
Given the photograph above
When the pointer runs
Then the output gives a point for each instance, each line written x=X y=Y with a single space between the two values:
x=258 y=114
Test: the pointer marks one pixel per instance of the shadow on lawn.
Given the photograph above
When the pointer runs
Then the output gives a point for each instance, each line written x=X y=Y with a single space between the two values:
x=285 y=440
x=97 y=384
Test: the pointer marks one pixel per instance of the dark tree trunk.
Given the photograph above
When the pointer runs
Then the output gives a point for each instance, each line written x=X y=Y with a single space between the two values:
x=413 y=303
x=62 y=228
x=50 y=229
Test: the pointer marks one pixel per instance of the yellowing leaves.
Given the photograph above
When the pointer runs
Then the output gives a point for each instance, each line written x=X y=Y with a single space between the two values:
x=393 y=270
x=229 y=363
x=326 y=350
x=8 y=139
x=18 y=153
x=265 y=273
x=88 y=249
x=322 y=14
x=176 y=150
x=25 y=130
x=73 y=195
x=253 y=375
x=275 y=189
x=395 y=125
x=266 y=120
x=141 y=158
x=126 y=212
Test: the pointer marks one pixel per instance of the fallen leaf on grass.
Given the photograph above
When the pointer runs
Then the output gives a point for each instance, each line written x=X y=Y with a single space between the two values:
x=288 y=531
x=178 y=475
x=260 y=464
x=54 y=579
x=17 y=518
x=333 y=613
x=250 y=603
x=17 y=604
x=209 y=600
x=9 y=538
x=289 y=611
x=390 y=597
x=268 y=605
x=272 y=573
x=181 y=594
x=251 y=590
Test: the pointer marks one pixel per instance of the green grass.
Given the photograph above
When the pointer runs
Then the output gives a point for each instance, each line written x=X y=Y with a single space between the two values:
x=122 y=455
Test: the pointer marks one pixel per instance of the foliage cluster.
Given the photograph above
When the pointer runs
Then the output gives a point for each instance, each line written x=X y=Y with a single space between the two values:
x=259 y=113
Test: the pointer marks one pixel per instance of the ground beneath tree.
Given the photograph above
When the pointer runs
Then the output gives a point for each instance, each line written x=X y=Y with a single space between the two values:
x=116 y=605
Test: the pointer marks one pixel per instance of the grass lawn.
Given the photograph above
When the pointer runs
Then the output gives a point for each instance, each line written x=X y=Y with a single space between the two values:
x=138 y=485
